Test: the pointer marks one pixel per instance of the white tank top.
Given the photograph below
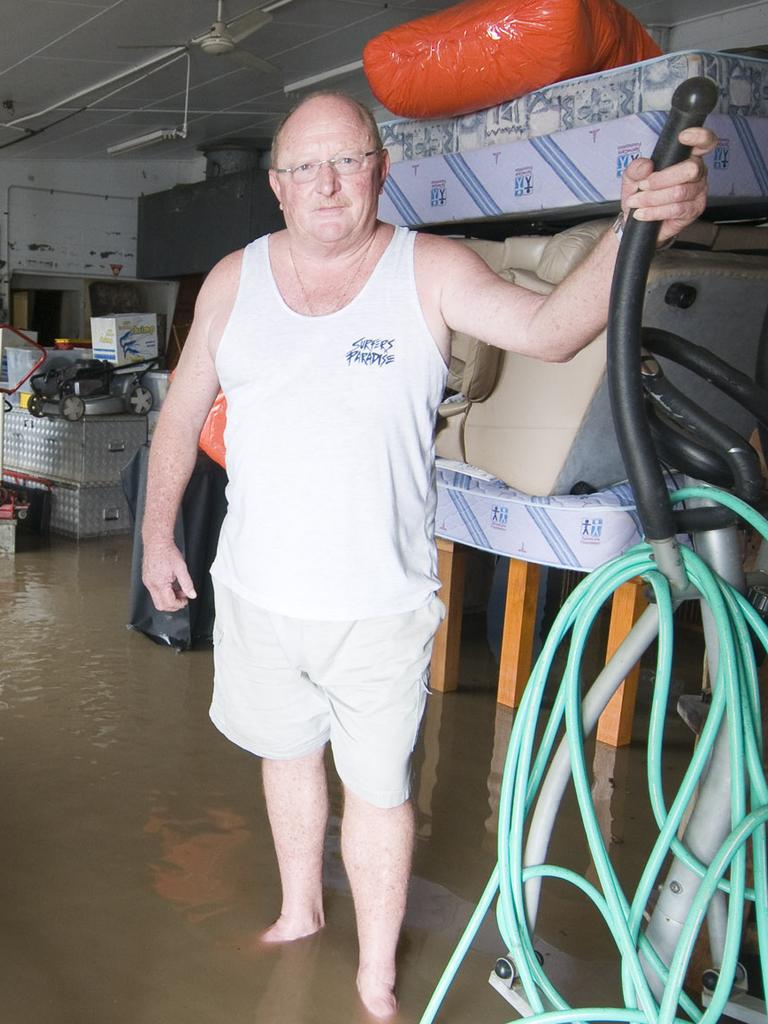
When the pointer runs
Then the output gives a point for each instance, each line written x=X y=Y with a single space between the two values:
x=329 y=439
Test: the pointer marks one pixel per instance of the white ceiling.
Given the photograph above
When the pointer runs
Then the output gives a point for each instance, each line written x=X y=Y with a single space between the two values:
x=54 y=53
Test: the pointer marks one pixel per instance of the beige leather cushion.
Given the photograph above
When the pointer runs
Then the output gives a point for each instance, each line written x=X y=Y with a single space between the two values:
x=523 y=252
x=524 y=431
x=491 y=252
x=567 y=249
x=542 y=261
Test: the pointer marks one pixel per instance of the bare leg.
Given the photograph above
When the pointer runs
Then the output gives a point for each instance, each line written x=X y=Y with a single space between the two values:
x=377 y=844
x=297 y=804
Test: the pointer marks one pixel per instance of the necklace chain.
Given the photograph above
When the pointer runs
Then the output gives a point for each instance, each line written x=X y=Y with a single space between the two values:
x=351 y=282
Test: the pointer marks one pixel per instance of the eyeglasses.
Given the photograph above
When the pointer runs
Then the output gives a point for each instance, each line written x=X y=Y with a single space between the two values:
x=342 y=163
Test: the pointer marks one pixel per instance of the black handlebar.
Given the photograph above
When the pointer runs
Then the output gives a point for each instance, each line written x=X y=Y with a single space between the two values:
x=691 y=102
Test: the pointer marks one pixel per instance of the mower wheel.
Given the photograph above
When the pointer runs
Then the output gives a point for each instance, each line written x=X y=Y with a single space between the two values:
x=36 y=405
x=72 y=408
x=140 y=400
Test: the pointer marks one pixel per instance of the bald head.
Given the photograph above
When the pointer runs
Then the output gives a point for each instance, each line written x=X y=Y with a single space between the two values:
x=326 y=103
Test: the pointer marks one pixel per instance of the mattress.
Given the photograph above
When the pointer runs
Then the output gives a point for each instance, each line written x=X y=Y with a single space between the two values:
x=584 y=102
x=572 y=531
x=580 y=168
x=567 y=146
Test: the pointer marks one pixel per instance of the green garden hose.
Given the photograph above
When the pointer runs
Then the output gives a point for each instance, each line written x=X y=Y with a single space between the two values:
x=735 y=703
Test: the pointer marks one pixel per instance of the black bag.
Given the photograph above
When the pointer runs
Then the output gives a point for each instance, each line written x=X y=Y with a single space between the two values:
x=196 y=534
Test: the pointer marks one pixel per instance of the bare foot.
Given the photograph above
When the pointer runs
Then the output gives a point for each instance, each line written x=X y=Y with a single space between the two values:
x=286 y=930
x=377 y=995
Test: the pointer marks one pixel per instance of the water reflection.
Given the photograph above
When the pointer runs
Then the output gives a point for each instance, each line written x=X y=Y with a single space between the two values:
x=199 y=872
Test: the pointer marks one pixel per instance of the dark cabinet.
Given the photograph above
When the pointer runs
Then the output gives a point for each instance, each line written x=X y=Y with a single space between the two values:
x=186 y=229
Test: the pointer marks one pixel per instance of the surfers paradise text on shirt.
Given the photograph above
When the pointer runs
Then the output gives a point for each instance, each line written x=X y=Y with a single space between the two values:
x=371 y=352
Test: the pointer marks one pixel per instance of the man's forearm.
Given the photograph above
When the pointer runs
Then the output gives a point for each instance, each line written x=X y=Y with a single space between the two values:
x=577 y=310
x=172 y=457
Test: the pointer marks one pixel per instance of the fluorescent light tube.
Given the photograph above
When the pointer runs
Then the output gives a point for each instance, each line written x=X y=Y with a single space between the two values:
x=148 y=139
x=323 y=76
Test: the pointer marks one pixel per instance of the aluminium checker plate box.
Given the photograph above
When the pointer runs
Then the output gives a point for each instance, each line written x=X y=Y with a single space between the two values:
x=88 y=451
x=89 y=510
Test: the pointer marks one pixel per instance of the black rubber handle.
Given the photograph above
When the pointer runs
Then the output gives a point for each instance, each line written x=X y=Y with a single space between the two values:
x=691 y=102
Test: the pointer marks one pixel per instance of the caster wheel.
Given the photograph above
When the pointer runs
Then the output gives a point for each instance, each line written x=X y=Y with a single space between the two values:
x=72 y=408
x=504 y=969
x=140 y=400
x=709 y=979
x=36 y=405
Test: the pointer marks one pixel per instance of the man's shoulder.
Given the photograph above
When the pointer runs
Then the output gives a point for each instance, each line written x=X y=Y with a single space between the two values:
x=225 y=271
x=233 y=261
x=435 y=243
x=440 y=246
x=221 y=283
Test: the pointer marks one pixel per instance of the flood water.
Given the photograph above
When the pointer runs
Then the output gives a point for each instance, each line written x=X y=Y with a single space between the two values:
x=136 y=865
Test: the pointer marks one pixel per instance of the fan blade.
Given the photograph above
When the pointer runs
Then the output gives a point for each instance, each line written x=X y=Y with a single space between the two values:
x=243 y=26
x=149 y=46
x=250 y=60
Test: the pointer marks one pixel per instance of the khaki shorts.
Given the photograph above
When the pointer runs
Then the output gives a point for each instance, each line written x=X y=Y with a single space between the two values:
x=283 y=687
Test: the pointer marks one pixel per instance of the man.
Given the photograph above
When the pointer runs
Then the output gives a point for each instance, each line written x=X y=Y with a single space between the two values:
x=330 y=340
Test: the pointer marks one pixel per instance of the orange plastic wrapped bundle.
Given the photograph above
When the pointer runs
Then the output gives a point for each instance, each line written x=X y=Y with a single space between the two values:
x=482 y=52
x=212 y=434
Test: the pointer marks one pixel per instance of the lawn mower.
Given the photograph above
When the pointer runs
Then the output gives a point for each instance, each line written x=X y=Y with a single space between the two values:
x=91 y=387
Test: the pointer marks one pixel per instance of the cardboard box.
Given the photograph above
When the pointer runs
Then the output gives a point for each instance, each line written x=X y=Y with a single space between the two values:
x=125 y=337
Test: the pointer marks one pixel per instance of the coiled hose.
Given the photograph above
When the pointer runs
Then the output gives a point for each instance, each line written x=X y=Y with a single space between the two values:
x=735 y=701
x=653 y=992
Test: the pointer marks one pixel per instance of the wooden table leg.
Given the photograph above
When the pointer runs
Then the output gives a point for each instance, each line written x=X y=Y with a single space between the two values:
x=518 y=631
x=451 y=565
x=615 y=725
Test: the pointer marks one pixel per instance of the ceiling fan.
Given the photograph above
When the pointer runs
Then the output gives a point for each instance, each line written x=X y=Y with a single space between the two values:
x=223 y=37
